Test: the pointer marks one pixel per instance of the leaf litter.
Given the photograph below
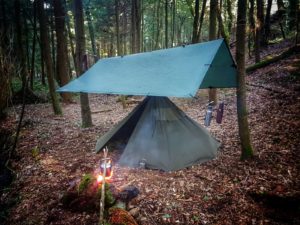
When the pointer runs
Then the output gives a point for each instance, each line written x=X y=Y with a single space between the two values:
x=55 y=152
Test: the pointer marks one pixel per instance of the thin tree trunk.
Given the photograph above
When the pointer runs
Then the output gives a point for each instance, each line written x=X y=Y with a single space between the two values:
x=174 y=22
x=230 y=15
x=267 y=22
x=27 y=57
x=47 y=56
x=117 y=15
x=53 y=50
x=252 y=30
x=281 y=10
x=33 y=46
x=196 y=22
x=42 y=66
x=62 y=54
x=80 y=50
x=92 y=35
x=244 y=132
x=212 y=93
x=3 y=28
x=201 y=19
x=135 y=26
x=259 y=27
x=222 y=27
x=158 y=27
x=166 y=24
x=20 y=50
x=71 y=41
x=125 y=35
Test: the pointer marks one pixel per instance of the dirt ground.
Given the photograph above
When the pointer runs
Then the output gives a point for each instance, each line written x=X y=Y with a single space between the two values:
x=54 y=152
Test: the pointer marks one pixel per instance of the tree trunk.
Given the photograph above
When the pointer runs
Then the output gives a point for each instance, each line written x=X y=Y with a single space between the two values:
x=3 y=28
x=230 y=15
x=62 y=67
x=259 y=28
x=135 y=26
x=42 y=66
x=117 y=15
x=80 y=50
x=166 y=24
x=244 y=132
x=292 y=14
x=70 y=38
x=201 y=19
x=158 y=27
x=212 y=93
x=281 y=10
x=173 y=23
x=224 y=34
x=251 y=26
x=4 y=82
x=92 y=35
x=20 y=50
x=196 y=22
x=53 y=50
x=267 y=22
x=33 y=46
x=47 y=56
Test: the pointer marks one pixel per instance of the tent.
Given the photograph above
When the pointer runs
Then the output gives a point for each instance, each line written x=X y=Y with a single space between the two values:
x=162 y=136
x=157 y=131
x=173 y=72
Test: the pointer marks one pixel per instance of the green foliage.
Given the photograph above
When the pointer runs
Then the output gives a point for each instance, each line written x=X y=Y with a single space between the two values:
x=86 y=180
x=109 y=198
x=35 y=152
x=38 y=87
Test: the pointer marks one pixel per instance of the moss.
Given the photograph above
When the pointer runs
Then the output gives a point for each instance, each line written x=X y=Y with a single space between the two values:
x=109 y=197
x=86 y=180
x=247 y=153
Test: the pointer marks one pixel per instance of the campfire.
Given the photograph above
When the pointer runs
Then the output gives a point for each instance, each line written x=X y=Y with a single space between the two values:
x=105 y=163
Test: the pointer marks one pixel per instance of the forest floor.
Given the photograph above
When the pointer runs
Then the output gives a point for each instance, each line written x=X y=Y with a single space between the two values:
x=55 y=152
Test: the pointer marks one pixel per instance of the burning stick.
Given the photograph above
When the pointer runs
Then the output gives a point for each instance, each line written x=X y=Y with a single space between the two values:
x=102 y=200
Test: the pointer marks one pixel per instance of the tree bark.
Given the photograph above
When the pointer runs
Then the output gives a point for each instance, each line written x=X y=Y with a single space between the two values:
x=212 y=93
x=230 y=15
x=20 y=50
x=267 y=22
x=259 y=29
x=53 y=50
x=62 y=67
x=224 y=34
x=158 y=25
x=244 y=132
x=117 y=15
x=80 y=51
x=70 y=38
x=251 y=25
x=47 y=56
x=292 y=14
x=166 y=23
x=201 y=19
x=196 y=22
x=92 y=35
x=4 y=82
x=33 y=46
x=135 y=26
x=174 y=22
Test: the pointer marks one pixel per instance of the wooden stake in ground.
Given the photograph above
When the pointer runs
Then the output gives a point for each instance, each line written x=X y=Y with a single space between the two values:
x=102 y=200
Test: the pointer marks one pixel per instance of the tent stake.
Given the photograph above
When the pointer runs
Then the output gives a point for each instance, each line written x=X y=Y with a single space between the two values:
x=102 y=199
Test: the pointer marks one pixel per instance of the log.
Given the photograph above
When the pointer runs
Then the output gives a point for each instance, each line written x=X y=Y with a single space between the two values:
x=273 y=59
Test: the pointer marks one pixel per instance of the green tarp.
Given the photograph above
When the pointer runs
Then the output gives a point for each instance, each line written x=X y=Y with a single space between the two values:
x=177 y=72
x=163 y=136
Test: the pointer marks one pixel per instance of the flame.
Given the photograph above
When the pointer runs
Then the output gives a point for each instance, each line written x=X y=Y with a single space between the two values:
x=107 y=179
